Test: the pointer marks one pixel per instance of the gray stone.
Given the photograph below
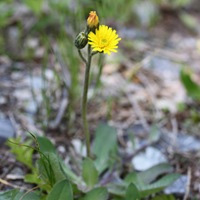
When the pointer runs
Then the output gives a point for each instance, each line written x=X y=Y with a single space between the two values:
x=15 y=174
x=31 y=107
x=35 y=82
x=164 y=68
x=79 y=147
x=2 y=100
x=178 y=187
x=130 y=33
x=187 y=143
x=147 y=12
x=6 y=130
x=181 y=142
x=138 y=130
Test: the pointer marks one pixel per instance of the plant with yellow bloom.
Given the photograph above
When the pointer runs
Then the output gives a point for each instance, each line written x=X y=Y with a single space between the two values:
x=95 y=177
x=102 y=39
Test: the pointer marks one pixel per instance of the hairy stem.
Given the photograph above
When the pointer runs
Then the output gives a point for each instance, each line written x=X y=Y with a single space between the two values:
x=84 y=102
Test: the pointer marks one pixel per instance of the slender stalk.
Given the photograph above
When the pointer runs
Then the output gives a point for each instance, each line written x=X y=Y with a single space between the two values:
x=81 y=55
x=32 y=87
x=84 y=102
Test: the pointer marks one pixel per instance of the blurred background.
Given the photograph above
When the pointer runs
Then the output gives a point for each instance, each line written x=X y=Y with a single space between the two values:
x=149 y=90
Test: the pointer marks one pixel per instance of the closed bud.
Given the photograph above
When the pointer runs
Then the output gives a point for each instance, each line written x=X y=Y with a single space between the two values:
x=81 y=40
x=93 y=20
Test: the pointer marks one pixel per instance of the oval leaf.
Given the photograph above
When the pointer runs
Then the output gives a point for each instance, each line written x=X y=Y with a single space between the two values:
x=132 y=192
x=89 y=173
x=164 y=197
x=61 y=191
x=17 y=195
x=97 y=194
x=107 y=136
x=45 y=145
x=159 y=184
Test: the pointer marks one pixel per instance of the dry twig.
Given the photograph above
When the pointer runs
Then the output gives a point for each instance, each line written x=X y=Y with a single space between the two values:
x=187 y=193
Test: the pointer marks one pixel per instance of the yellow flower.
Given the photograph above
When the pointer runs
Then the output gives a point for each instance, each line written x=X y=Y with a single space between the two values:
x=93 y=19
x=104 y=39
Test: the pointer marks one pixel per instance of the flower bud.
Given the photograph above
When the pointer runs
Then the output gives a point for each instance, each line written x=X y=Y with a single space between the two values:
x=81 y=40
x=93 y=20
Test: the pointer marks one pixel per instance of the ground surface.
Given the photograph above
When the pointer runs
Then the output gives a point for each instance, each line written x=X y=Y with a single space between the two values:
x=141 y=90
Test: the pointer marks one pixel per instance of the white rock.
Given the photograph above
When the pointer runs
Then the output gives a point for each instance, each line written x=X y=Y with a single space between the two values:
x=61 y=149
x=79 y=148
x=149 y=158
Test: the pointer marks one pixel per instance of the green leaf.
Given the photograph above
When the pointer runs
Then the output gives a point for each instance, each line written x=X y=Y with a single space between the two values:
x=154 y=134
x=6 y=11
x=61 y=191
x=144 y=189
x=192 y=88
x=117 y=189
x=159 y=185
x=132 y=193
x=152 y=173
x=134 y=178
x=23 y=154
x=7 y=195
x=50 y=168
x=143 y=180
x=76 y=190
x=97 y=194
x=70 y=174
x=34 y=5
x=89 y=173
x=32 y=178
x=118 y=198
x=148 y=175
x=17 y=195
x=107 y=136
x=45 y=145
x=28 y=196
x=189 y=21
x=164 y=197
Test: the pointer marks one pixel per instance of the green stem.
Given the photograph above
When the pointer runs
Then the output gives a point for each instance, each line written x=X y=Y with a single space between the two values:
x=81 y=55
x=32 y=87
x=84 y=102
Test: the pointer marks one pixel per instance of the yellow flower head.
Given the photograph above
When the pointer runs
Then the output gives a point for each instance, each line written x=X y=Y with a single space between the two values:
x=104 y=39
x=93 y=19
